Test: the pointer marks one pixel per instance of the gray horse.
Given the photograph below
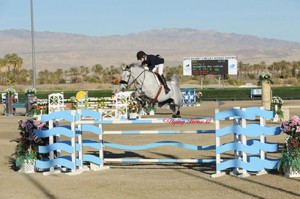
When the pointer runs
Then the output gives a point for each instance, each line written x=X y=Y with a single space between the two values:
x=148 y=87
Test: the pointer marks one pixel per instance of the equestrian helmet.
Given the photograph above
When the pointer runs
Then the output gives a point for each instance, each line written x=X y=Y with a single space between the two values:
x=140 y=55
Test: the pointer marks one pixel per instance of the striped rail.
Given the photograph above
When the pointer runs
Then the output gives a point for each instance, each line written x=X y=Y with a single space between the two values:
x=248 y=155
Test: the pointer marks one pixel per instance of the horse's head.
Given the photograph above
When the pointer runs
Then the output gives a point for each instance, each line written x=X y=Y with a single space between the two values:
x=130 y=74
x=125 y=77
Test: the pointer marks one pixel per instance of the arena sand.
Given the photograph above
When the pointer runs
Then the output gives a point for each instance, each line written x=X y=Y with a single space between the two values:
x=126 y=181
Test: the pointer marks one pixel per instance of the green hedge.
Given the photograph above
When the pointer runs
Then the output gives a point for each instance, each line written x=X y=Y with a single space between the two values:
x=286 y=93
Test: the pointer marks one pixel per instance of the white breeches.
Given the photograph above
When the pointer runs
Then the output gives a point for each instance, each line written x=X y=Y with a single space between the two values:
x=159 y=68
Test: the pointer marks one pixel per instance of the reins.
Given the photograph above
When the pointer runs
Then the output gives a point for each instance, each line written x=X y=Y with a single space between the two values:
x=136 y=77
x=139 y=86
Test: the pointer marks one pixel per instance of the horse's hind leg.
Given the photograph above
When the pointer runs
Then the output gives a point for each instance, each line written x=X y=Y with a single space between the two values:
x=178 y=113
x=173 y=109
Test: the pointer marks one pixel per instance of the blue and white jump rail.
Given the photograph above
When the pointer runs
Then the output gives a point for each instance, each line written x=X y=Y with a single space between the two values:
x=248 y=155
x=242 y=163
x=84 y=121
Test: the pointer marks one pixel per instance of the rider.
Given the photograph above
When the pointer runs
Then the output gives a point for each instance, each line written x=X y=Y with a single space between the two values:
x=154 y=63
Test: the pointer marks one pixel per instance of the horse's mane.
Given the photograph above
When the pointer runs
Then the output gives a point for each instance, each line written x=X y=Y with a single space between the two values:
x=139 y=66
x=136 y=64
x=175 y=77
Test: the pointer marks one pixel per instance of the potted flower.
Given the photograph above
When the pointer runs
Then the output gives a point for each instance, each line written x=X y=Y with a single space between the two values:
x=26 y=150
x=133 y=108
x=264 y=78
x=151 y=108
x=10 y=91
x=276 y=104
x=39 y=107
x=290 y=161
x=30 y=91
x=29 y=97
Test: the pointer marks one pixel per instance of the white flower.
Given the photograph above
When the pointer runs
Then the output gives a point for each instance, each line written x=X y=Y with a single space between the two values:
x=30 y=90
x=42 y=102
x=10 y=91
x=133 y=106
x=277 y=100
x=265 y=77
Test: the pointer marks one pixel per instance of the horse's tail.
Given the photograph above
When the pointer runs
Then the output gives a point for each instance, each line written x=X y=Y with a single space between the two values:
x=176 y=80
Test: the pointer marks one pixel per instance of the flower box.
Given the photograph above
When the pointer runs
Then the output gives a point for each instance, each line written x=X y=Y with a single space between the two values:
x=151 y=112
x=290 y=161
x=133 y=108
x=27 y=167
x=26 y=150
x=133 y=115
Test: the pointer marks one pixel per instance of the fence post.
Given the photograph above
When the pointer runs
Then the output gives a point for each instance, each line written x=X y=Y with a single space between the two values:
x=218 y=144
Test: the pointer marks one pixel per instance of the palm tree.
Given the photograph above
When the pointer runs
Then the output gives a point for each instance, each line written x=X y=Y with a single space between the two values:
x=112 y=73
x=2 y=70
x=13 y=60
x=98 y=72
x=22 y=77
x=44 y=77
x=59 y=74
x=84 y=71
x=74 y=74
x=295 y=68
x=2 y=64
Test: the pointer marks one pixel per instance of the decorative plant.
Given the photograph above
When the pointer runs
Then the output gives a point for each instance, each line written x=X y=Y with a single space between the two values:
x=133 y=105
x=151 y=106
x=291 y=150
x=10 y=91
x=39 y=106
x=115 y=81
x=101 y=102
x=264 y=77
x=277 y=101
x=30 y=90
x=73 y=101
x=28 y=142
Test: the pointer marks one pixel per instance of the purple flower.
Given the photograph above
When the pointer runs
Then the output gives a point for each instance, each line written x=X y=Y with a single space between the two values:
x=294 y=118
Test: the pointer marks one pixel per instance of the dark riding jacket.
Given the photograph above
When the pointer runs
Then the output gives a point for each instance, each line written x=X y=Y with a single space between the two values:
x=152 y=61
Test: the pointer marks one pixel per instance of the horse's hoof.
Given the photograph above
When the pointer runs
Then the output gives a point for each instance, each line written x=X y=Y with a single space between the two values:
x=176 y=116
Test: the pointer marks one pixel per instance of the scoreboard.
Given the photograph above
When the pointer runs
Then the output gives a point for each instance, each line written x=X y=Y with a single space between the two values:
x=225 y=65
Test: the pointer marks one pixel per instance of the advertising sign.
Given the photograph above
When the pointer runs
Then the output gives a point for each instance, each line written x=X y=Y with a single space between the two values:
x=219 y=65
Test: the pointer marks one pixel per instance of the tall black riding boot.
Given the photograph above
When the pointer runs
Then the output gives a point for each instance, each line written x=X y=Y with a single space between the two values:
x=164 y=82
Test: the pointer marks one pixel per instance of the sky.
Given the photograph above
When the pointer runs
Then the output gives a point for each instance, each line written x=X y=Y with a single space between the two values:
x=274 y=19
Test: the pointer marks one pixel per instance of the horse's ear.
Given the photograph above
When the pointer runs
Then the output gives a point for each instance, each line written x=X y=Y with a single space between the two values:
x=123 y=66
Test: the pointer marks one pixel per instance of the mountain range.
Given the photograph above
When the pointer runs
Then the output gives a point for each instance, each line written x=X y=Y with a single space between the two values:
x=63 y=50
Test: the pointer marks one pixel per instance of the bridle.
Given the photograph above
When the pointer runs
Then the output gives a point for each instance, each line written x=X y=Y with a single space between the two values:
x=126 y=82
